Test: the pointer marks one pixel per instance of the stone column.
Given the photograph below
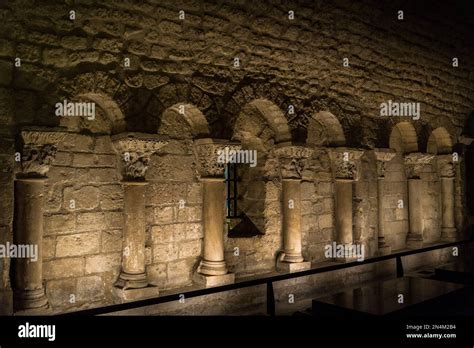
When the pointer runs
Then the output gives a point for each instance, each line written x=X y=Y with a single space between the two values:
x=212 y=270
x=414 y=163
x=39 y=149
x=345 y=166
x=135 y=151
x=382 y=156
x=447 y=174
x=292 y=161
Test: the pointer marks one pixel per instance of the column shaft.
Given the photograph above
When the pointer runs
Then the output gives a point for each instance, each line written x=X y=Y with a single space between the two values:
x=213 y=262
x=292 y=220
x=28 y=279
x=382 y=245
x=415 y=216
x=343 y=209
x=133 y=273
x=448 y=228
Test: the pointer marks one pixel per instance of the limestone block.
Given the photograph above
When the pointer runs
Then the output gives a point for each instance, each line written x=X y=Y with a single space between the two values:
x=162 y=234
x=163 y=215
x=78 y=244
x=90 y=288
x=49 y=247
x=63 y=268
x=165 y=252
x=59 y=292
x=111 y=241
x=111 y=197
x=86 y=197
x=103 y=263
x=194 y=231
x=90 y=221
x=190 y=249
x=59 y=224
x=157 y=273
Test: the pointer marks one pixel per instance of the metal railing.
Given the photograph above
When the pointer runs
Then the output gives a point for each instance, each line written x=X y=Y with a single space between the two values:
x=265 y=280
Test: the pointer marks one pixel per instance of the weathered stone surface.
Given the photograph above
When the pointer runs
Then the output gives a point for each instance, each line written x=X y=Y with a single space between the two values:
x=103 y=263
x=77 y=244
x=63 y=268
x=86 y=197
x=90 y=288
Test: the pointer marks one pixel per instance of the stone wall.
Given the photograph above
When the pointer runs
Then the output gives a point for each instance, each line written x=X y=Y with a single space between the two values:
x=282 y=63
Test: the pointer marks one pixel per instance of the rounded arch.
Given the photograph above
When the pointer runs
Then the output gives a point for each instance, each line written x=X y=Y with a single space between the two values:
x=183 y=121
x=325 y=129
x=403 y=138
x=440 y=142
x=262 y=119
x=101 y=114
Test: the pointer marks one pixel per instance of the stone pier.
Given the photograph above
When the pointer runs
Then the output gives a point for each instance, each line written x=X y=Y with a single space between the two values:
x=382 y=156
x=37 y=154
x=212 y=270
x=447 y=173
x=135 y=150
x=292 y=160
x=414 y=163
x=345 y=166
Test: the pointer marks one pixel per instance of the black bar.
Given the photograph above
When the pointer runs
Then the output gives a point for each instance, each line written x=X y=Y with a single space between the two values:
x=270 y=299
x=399 y=267
x=254 y=282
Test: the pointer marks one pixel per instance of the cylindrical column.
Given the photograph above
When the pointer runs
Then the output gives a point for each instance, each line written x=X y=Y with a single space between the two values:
x=133 y=274
x=415 y=216
x=383 y=247
x=292 y=220
x=448 y=228
x=28 y=278
x=213 y=216
x=343 y=209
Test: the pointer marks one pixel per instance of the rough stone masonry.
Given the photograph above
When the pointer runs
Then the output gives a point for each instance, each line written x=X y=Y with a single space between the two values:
x=130 y=201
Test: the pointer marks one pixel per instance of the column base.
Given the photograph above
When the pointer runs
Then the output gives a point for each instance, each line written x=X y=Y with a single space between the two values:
x=448 y=234
x=212 y=268
x=124 y=295
x=131 y=281
x=30 y=300
x=414 y=242
x=291 y=267
x=210 y=281
x=291 y=257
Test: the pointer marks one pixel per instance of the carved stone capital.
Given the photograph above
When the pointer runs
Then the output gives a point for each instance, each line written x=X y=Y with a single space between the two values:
x=207 y=152
x=446 y=166
x=345 y=162
x=135 y=150
x=383 y=156
x=293 y=159
x=38 y=150
x=415 y=162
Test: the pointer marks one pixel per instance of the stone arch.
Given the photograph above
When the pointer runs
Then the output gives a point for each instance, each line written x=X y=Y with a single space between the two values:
x=108 y=118
x=183 y=121
x=264 y=120
x=259 y=125
x=440 y=142
x=324 y=129
x=403 y=138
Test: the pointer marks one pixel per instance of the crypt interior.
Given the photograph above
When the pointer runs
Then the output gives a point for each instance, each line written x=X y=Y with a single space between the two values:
x=132 y=202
